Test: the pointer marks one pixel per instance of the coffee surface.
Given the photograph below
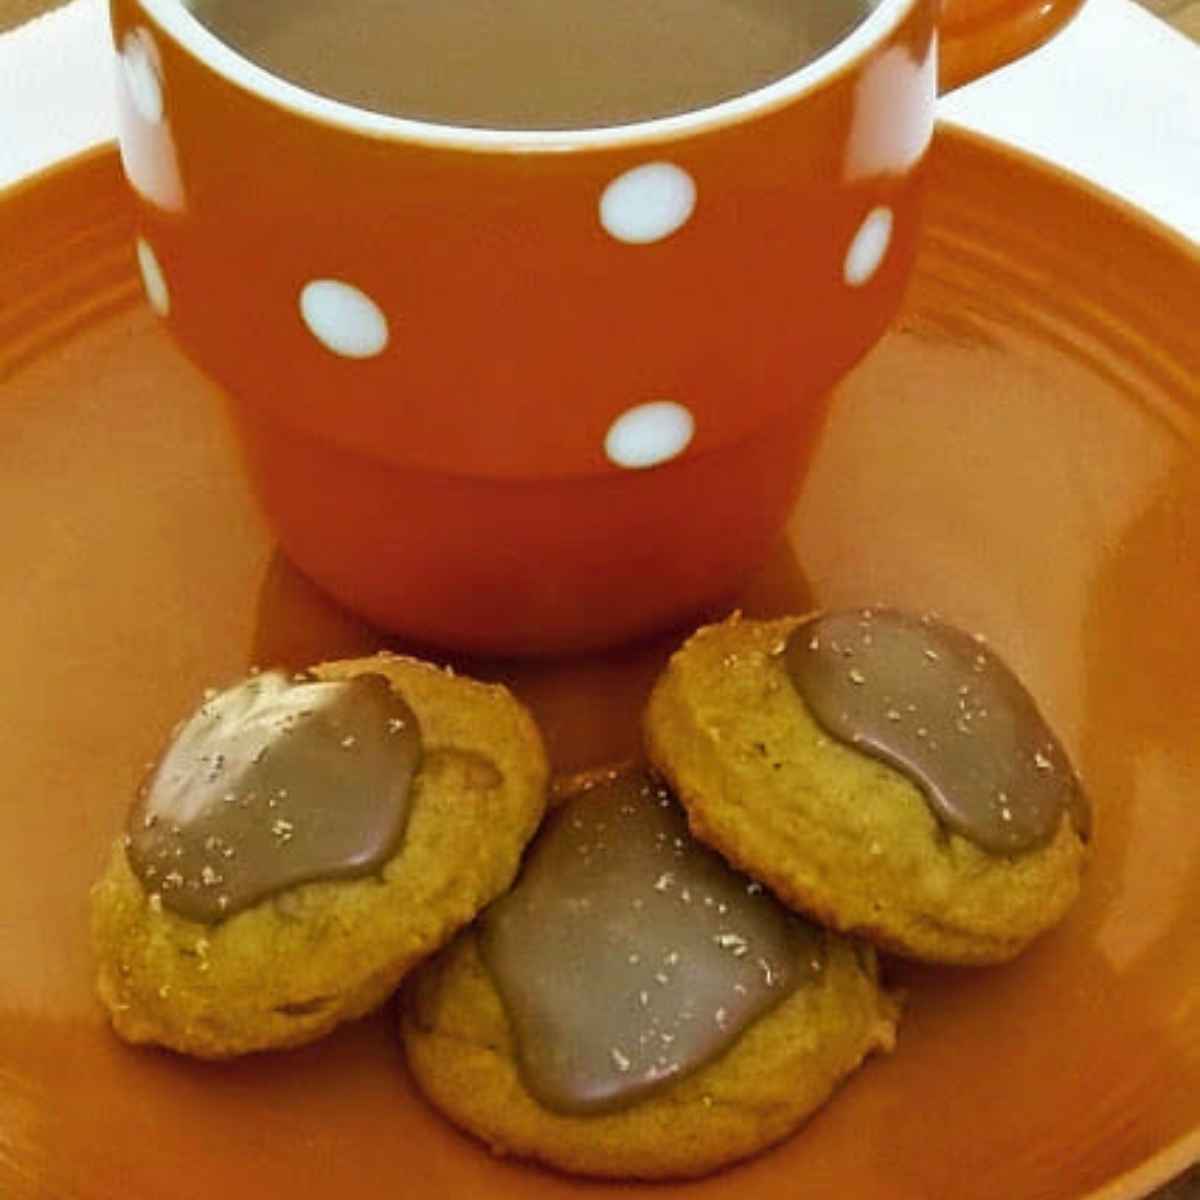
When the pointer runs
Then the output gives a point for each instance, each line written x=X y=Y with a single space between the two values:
x=530 y=64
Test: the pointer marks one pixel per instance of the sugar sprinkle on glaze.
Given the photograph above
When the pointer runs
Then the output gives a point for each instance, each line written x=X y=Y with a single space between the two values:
x=669 y=985
x=256 y=792
x=936 y=725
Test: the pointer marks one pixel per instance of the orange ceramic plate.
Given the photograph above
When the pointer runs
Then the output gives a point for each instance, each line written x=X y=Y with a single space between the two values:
x=1020 y=454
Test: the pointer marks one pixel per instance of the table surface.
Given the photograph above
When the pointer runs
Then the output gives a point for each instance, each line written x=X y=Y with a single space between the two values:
x=1183 y=15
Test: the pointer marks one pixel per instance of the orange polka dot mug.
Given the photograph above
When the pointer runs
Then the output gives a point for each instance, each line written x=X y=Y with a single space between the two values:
x=535 y=391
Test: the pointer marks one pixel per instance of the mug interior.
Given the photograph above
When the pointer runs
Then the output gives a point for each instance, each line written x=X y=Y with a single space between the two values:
x=176 y=19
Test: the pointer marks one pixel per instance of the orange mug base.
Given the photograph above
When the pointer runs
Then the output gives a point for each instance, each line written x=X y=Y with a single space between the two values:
x=527 y=568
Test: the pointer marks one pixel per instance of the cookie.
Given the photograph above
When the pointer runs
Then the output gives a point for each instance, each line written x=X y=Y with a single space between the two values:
x=882 y=772
x=302 y=843
x=634 y=1007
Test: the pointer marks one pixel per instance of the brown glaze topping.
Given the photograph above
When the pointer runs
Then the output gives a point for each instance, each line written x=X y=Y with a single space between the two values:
x=935 y=703
x=276 y=782
x=628 y=954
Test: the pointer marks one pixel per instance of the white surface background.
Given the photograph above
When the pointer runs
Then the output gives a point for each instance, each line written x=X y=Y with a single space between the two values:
x=1115 y=98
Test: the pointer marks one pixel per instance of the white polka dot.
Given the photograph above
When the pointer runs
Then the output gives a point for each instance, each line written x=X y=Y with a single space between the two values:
x=869 y=247
x=152 y=166
x=343 y=318
x=649 y=434
x=140 y=65
x=894 y=103
x=648 y=203
x=153 y=279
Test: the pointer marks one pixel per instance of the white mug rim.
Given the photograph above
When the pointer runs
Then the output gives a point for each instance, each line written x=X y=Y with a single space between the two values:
x=176 y=20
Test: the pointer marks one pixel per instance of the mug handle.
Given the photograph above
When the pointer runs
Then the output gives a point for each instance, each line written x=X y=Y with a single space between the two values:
x=977 y=36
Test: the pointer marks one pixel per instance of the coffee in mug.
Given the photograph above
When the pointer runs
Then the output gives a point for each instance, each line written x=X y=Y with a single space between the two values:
x=531 y=64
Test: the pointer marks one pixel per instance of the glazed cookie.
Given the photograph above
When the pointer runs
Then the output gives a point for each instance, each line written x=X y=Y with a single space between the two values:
x=634 y=1007
x=885 y=773
x=302 y=843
